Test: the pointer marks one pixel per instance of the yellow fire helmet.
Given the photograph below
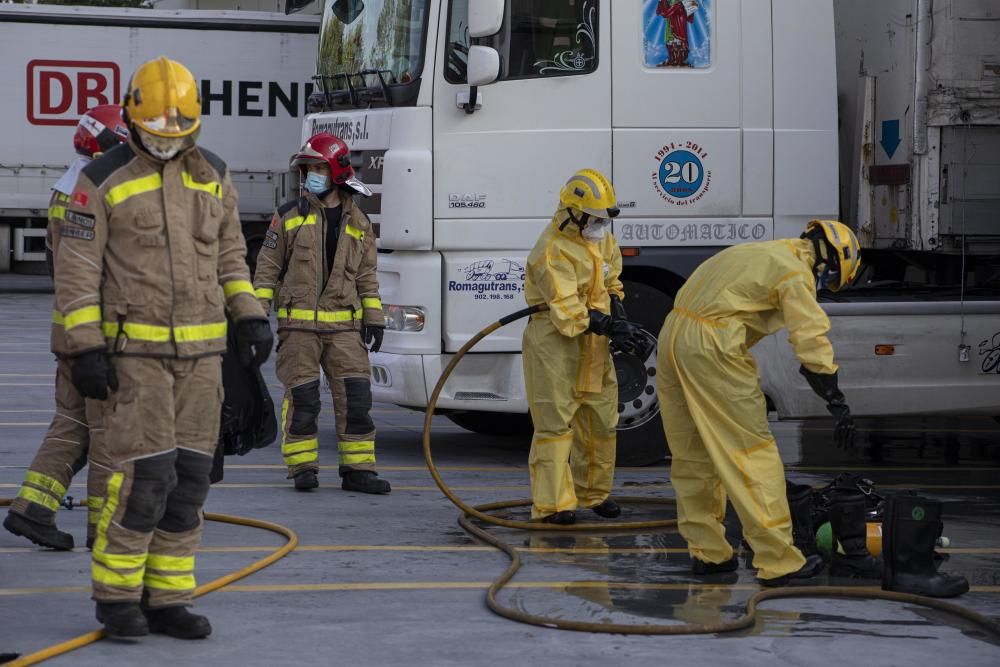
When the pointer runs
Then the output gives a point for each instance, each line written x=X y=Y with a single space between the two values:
x=163 y=99
x=590 y=192
x=842 y=241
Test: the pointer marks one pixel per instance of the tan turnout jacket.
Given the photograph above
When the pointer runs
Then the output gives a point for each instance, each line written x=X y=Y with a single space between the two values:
x=292 y=273
x=151 y=255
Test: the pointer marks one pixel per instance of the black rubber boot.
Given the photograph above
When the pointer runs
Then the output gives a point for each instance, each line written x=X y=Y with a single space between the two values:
x=800 y=504
x=849 y=522
x=564 y=518
x=910 y=529
x=306 y=481
x=122 y=620
x=700 y=567
x=40 y=533
x=178 y=622
x=609 y=509
x=365 y=481
x=812 y=567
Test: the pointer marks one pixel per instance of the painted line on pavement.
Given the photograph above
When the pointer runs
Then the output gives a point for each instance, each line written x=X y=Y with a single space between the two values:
x=455 y=585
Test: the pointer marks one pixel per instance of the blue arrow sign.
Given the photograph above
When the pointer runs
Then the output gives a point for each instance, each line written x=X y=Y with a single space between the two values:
x=890 y=137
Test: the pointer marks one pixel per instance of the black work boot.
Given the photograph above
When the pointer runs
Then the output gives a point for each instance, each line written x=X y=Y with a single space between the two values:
x=365 y=481
x=608 y=509
x=700 y=567
x=812 y=567
x=800 y=504
x=910 y=529
x=42 y=534
x=564 y=518
x=306 y=480
x=178 y=622
x=848 y=520
x=122 y=620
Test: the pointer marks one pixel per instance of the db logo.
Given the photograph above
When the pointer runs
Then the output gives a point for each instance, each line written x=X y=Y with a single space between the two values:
x=60 y=91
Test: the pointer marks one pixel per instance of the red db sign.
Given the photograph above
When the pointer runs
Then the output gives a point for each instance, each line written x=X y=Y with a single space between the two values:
x=60 y=91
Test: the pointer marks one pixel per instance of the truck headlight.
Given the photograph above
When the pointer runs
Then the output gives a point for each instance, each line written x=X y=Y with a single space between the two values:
x=403 y=318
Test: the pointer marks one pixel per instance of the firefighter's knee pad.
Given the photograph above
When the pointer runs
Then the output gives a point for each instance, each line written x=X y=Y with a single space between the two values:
x=359 y=405
x=184 y=503
x=305 y=416
x=153 y=479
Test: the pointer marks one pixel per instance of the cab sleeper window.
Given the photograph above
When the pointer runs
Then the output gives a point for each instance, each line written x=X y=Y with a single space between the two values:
x=539 y=39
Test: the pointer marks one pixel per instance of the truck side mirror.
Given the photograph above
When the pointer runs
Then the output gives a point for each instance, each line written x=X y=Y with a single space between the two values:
x=485 y=17
x=347 y=10
x=484 y=65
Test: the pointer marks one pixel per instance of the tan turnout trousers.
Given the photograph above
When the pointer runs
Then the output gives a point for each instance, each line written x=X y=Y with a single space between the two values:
x=344 y=360
x=161 y=430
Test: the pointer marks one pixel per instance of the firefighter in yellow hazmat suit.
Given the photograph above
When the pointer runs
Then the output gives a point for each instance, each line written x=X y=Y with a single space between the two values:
x=713 y=411
x=569 y=376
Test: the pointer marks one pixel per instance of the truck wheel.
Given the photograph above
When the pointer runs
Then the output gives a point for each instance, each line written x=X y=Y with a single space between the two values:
x=254 y=245
x=493 y=423
x=640 y=431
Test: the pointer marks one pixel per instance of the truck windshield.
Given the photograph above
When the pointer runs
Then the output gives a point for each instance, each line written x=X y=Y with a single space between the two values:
x=366 y=35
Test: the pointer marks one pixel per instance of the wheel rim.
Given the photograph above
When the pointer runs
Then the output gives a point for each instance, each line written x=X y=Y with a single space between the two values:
x=637 y=402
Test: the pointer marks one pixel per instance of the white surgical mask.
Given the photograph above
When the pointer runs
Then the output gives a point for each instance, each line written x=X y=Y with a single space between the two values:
x=596 y=229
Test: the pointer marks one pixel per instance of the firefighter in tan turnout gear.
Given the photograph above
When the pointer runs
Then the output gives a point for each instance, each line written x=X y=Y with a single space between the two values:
x=64 y=451
x=150 y=259
x=317 y=266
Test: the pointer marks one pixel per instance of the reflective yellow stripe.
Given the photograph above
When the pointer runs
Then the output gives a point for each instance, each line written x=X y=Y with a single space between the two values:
x=318 y=316
x=57 y=211
x=237 y=287
x=355 y=232
x=121 y=561
x=103 y=575
x=212 y=187
x=154 y=333
x=356 y=459
x=356 y=446
x=337 y=315
x=171 y=563
x=57 y=318
x=82 y=316
x=199 y=332
x=102 y=562
x=45 y=482
x=298 y=221
x=146 y=332
x=300 y=446
x=120 y=193
x=38 y=497
x=371 y=302
x=169 y=582
x=264 y=293
x=304 y=457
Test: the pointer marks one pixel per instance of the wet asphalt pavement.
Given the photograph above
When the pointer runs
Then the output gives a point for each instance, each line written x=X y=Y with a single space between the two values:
x=393 y=580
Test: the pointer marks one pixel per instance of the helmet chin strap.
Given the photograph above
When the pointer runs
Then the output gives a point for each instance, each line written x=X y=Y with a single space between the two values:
x=579 y=222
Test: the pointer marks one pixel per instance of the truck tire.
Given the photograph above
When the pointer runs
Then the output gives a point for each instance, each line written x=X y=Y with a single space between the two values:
x=640 y=430
x=493 y=423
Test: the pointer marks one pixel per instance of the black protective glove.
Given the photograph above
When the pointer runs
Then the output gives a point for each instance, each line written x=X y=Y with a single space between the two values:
x=625 y=336
x=93 y=375
x=825 y=386
x=617 y=308
x=372 y=334
x=254 y=341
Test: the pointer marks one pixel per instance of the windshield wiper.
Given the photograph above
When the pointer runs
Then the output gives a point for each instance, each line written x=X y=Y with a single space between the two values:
x=356 y=96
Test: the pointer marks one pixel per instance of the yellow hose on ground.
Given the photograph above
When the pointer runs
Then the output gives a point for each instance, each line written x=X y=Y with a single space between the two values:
x=481 y=512
x=214 y=585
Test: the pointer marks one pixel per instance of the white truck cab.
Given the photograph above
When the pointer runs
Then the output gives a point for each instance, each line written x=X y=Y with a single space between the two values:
x=715 y=119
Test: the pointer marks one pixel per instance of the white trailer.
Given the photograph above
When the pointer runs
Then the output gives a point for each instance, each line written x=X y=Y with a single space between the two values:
x=59 y=61
x=919 y=98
